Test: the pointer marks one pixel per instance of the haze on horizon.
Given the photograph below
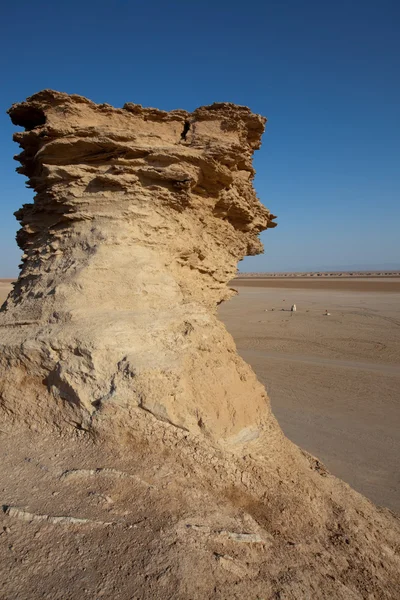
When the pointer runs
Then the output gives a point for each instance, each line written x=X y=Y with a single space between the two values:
x=325 y=75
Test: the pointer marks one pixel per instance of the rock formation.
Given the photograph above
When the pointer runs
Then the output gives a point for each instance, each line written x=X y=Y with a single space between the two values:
x=139 y=220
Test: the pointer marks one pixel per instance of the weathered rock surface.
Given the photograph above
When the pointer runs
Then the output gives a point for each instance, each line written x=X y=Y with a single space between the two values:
x=139 y=219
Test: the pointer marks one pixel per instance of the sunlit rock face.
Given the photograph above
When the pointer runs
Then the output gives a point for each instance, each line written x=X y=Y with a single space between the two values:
x=110 y=348
x=139 y=220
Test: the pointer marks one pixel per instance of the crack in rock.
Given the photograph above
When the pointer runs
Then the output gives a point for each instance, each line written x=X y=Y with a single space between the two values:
x=24 y=515
x=248 y=538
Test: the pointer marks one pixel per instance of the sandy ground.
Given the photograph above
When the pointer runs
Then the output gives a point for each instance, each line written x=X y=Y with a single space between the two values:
x=5 y=287
x=334 y=381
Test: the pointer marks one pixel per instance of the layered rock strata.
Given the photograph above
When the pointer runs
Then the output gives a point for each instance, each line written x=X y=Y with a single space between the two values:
x=139 y=220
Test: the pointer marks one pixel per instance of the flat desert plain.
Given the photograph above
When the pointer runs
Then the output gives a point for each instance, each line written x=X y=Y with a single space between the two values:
x=5 y=287
x=333 y=381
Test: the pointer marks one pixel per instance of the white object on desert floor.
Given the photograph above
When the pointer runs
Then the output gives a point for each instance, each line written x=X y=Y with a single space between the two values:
x=327 y=314
x=293 y=309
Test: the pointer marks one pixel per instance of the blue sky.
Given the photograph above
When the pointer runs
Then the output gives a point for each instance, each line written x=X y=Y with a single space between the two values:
x=326 y=74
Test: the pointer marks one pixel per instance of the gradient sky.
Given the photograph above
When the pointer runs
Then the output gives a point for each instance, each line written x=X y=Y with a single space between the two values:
x=326 y=74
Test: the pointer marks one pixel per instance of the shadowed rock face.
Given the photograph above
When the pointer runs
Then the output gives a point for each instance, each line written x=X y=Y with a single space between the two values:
x=139 y=220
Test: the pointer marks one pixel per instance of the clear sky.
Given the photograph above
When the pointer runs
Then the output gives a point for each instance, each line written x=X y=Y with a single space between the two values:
x=325 y=73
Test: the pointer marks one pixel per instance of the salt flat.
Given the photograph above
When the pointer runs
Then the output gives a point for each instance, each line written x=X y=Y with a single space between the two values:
x=333 y=381
x=5 y=288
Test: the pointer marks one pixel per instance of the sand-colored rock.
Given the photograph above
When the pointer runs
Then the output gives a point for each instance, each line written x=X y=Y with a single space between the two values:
x=110 y=342
x=139 y=219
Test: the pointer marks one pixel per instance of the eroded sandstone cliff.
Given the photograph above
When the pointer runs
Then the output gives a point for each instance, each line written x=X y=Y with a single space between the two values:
x=139 y=220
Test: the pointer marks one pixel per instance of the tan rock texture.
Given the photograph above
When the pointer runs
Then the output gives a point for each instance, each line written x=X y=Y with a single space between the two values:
x=111 y=352
x=139 y=219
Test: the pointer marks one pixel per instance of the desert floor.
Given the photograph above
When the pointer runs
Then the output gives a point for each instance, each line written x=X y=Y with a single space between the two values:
x=5 y=287
x=333 y=381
